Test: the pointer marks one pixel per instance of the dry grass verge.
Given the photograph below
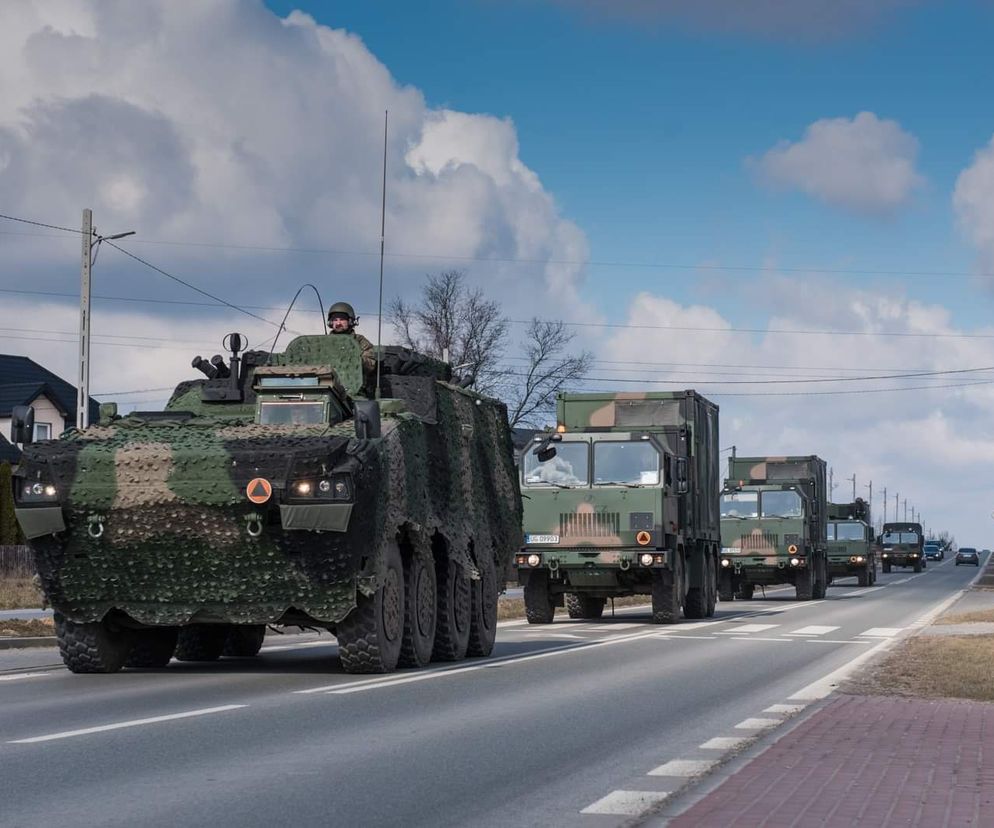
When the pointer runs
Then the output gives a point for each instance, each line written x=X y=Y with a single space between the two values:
x=509 y=609
x=976 y=617
x=19 y=593
x=22 y=629
x=956 y=667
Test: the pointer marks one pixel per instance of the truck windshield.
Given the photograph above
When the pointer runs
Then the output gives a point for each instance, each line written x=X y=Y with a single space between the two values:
x=297 y=412
x=632 y=463
x=846 y=531
x=901 y=537
x=740 y=505
x=568 y=468
x=781 y=505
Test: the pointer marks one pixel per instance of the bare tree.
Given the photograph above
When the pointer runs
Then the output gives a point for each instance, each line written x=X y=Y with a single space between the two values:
x=454 y=319
x=550 y=368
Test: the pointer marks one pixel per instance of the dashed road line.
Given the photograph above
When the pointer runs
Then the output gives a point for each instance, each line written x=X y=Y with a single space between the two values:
x=17 y=676
x=786 y=709
x=758 y=723
x=726 y=742
x=684 y=767
x=813 y=630
x=749 y=628
x=626 y=803
x=882 y=632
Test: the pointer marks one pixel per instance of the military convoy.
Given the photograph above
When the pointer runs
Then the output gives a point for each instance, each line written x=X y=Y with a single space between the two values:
x=852 y=548
x=275 y=491
x=773 y=526
x=902 y=544
x=619 y=500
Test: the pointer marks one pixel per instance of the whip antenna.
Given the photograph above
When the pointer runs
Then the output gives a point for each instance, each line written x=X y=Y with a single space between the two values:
x=383 y=232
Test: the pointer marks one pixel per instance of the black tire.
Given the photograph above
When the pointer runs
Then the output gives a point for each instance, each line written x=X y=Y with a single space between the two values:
x=483 y=618
x=370 y=637
x=712 y=585
x=588 y=607
x=695 y=605
x=726 y=589
x=804 y=586
x=746 y=591
x=201 y=642
x=863 y=578
x=152 y=648
x=540 y=608
x=885 y=566
x=420 y=611
x=820 y=588
x=96 y=647
x=667 y=586
x=455 y=610
x=917 y=566
x=244 y=640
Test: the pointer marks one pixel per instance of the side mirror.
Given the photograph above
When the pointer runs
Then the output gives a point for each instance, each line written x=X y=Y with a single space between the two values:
x=545 y=453
x=22 y=425
x=367 y=419
x=682 y=483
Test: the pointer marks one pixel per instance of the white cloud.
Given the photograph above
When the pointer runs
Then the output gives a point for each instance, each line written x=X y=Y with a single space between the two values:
x=973 y=201
x=864 y=164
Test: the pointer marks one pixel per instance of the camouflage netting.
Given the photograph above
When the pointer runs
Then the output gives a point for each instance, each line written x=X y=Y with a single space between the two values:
x=157 y=516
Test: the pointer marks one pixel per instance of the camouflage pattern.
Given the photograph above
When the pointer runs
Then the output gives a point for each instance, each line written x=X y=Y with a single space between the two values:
x=152 y=524
x=851 y=547
x=591 y=535
x=763 y=551
x=910 y=553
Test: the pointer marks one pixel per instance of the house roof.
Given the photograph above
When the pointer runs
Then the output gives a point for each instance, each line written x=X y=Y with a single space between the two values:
x=9 y=452
x=23 y=380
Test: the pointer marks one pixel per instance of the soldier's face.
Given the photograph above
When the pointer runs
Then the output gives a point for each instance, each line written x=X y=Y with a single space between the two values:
x=339 y=323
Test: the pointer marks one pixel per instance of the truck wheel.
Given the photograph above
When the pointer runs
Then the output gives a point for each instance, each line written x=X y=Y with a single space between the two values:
x=696 y=603
x=152 y=648
x=370 y=636
x=454 y=613
x=712 y=586
x=885 y=566
x=583 y=606
x=420 y=611
x=201 y=642
x=539 y=605
x=804 y=585
x=244 y=640
x=483 y=622
x=95 y=647
x=918 y=566
x=863 y=578
x=746 y=591
x=726 y=591
x=666 y=588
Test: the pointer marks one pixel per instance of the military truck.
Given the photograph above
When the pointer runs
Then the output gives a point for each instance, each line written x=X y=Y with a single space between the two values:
x=274 y=491
x=851 y=544
x=622 y=499
x=902 y=544
x=773 y=516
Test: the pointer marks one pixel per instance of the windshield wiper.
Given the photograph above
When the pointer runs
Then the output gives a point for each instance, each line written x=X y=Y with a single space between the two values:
x=782 y=517
x=738 y=517
x=618 y=483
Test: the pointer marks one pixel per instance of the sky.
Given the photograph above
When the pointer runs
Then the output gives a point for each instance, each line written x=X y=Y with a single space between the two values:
x=780 y=203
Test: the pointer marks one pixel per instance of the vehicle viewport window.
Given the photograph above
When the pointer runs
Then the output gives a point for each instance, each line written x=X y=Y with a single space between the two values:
x=568 y=468
x=850 y=532
x=740 y=505
x=291 y=413
x=781 y=505
x=629 y=463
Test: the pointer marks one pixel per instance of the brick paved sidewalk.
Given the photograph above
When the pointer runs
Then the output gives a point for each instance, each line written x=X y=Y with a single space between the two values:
x=872 y=761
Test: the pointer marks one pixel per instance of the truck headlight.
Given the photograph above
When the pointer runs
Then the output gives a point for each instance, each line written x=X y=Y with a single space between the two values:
x=645 y=559
x=534 y=559
x=38 y=493
x=725 y=562
x=336 y=487
x=795 y=562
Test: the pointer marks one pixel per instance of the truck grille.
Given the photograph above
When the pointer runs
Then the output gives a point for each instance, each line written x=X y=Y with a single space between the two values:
x=589 y=524
x=758 y=542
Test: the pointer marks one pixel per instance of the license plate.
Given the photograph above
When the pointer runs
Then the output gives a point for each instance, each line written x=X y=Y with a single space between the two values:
x=541 y=538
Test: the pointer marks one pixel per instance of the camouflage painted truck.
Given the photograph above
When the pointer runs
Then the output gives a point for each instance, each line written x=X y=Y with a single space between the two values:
x=852 y=548
x=773 y=516
x=276 y=492
x=902 y=544
x=622 y=499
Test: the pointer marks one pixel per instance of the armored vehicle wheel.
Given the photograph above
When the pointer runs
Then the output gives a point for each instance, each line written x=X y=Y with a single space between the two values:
x=918 y=566
x=244 y=640
x=873 y=574
x=540 y=608
x=201 y=642
x=885 y=567
x=696 y=603
x=805 y=584
x=370 y=637
x=863 y=578
x=746 y=591
x=420 y=611
x=455 y=609
x=483 y=621
x=667 y=586
x=97 y=647
x=588 y=607
x=821 y=581
x=726 y=591
x=152 y=648
x=712 y=585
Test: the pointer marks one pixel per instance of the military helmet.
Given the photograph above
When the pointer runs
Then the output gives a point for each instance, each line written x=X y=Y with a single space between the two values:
x=343 y=307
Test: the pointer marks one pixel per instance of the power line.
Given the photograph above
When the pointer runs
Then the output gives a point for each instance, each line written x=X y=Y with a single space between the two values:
x=76 y=230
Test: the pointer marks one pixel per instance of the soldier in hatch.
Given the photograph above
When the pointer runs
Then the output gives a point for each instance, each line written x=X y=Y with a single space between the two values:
x=342 y=320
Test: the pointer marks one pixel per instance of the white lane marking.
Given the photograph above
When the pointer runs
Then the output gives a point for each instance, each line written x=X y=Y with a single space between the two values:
x=835 y=640
x=813 y=630
x=786 y=709
x=902 y=581
x=757 y=724
x=626 y=803
x=562 y=635
x=726 y=742
x=748 y=628
x=757 y=638
x=684 y=767
x=824 y=686
x=868 y=590
x=24 y=676
x=666 y=634
x=882 y=632
x=601 y=627
x=67 y=734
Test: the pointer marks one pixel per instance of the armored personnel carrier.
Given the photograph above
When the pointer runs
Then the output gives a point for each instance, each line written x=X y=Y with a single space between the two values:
x=276 y=491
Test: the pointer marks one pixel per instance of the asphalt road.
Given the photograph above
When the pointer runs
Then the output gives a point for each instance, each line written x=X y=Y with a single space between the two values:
x=563 y=719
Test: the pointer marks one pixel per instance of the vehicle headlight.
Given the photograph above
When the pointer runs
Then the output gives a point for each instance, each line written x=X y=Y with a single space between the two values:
x=795 y=562
x=37 y=493
x=725 y=562
x=645 y=559
x=534 y=560
x=336 y=487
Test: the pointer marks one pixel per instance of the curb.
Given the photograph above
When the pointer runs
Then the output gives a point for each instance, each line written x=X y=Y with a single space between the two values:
x=23 y=642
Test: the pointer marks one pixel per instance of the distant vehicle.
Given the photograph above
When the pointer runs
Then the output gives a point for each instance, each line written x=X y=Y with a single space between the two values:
x=902 y=546
x=934 y=551
x=967 y=555
x=851 y=547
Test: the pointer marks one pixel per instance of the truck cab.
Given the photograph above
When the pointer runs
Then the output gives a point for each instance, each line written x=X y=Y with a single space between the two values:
x=902 y=544
x=851 y=545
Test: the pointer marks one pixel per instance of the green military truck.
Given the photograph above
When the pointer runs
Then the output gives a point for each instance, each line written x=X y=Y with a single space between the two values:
x=851 y=545
x=902 y=544
x=773 y=526
x=622 y=499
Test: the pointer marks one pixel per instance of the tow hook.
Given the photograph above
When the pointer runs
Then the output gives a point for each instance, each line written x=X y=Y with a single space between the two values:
x=625 y=564
x=253 y=525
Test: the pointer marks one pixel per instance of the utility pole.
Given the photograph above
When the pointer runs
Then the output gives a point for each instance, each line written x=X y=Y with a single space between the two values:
x=885 y=505
x=896 y=504
x=91 y=240
x=853 y=480
x=831 y=484
x=870 y=502
x=905 y=509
